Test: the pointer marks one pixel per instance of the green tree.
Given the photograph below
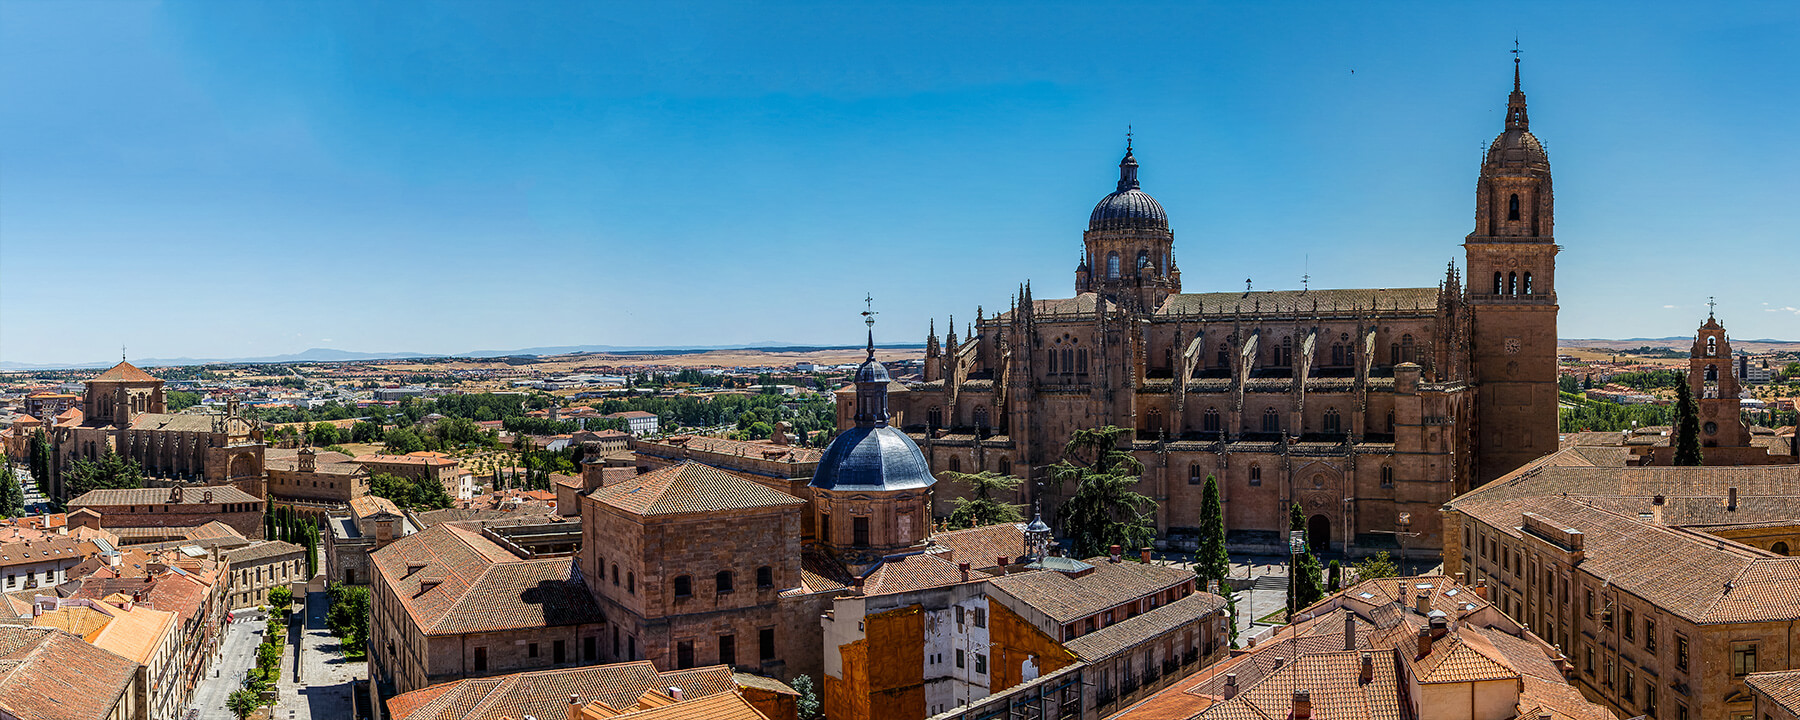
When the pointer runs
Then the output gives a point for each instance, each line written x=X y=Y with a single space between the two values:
x=401 y=441
x=281 y=597
x=1105 y=509
x=807 y=707
x=1334 y=576
x=112 y=470
x=1307 y=583
x=1211 y=561
x=243 y=702
x=984 y=508
x=12 y=497
x=1380 y=566
x=364 y=431
x=321 y=434
x=40 y=459
x=348 y=618
x=1687 y=431
x=177 y=401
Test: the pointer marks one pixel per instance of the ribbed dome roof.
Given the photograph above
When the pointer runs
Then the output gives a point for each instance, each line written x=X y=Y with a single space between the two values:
x=871 y=371
x=1515 y=147
x=872 y=459
x=1128 y=208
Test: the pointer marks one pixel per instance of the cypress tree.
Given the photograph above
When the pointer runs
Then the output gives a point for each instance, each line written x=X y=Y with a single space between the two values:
x=1212 y=561
x=1687 y=431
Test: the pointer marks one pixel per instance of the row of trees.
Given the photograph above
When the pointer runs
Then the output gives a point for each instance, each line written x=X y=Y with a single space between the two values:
x=411 y=494
x=12 y=496
x=285 y=525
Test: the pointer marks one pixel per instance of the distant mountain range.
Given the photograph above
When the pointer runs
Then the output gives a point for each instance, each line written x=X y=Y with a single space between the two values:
x=334 y=355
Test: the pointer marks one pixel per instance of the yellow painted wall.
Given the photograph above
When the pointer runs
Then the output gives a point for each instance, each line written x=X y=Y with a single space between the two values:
x=1012 y=641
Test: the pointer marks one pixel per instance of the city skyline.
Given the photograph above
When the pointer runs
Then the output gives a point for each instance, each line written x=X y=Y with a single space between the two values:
x=375 y=182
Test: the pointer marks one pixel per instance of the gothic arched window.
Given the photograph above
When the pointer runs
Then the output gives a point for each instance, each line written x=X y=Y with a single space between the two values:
x=1333 y=423
x=1512 y=283
x=1068 y=360
x=1393 y=353
x=955 y=464
x=1195 y=473
x=1210 y=420
x=1143 y=261
x=1498 y=279
x=934 y=416
x=1512 y=210
x=1005 y=466
x=981 y=417
x=1112 y=266
x=1052 y=353
x=1255 y=474
x=1338 y=356
x=1387 y=476
x=1406 y=348
x=1081 y=361
x=1527 y=283
x=1153 y=421
x=1284 y=355
x=1271 y=420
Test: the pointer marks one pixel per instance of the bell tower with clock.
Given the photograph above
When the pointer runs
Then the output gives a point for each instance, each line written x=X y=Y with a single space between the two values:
x=1511 y=292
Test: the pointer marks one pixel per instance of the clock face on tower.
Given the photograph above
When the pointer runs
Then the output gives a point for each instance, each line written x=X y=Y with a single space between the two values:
x=1512 y=346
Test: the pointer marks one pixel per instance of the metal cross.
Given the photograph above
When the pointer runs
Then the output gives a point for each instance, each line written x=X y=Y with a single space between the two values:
x=1246 y=284
x=1128 y=137
x=869 y=312
x=1515 y=50
x=1709 y=305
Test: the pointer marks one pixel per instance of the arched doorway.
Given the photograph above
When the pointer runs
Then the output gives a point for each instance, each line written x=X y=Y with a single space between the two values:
x=1779 y=548
x=1318 y=534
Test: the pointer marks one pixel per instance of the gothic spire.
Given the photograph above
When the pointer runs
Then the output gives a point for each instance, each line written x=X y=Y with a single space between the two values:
x=1515 y=104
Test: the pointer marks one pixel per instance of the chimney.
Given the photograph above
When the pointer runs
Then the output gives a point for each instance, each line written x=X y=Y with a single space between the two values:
x=1117 y=549
x=1424 y=642
x=1349 y=631
x=1231 y=686
x=1001 y=560
x=1462 y=578
x=856 y=584
x=1368 y=668
x=1144 y=555
x=1302 y=704
x=1731 y=500
x=574 y=707
x=1481 y=588
x=1440 y=625
x=964 y=569
x=675 y=692
x=1422 y=602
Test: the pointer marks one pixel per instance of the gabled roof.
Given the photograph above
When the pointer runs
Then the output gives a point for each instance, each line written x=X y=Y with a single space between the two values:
x=906 y=573
x=48 y=674
x=691 y=487
x=194 y=495
x=545 y=693
x=452 y=580
x=1067 y=599
x=124 y=372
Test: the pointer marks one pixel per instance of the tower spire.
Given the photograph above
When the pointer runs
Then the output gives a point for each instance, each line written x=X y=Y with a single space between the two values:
x=868 y=314
x=1128 y=167
x=1515 y=104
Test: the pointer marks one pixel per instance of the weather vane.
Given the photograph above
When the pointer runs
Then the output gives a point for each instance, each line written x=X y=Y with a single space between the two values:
x=1515 y=50
x=869 y=312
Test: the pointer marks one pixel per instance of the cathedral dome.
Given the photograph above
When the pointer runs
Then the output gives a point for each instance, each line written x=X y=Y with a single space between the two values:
x=1128 y=208
x=1517 y=147
x=872 y=459
x=871 y=371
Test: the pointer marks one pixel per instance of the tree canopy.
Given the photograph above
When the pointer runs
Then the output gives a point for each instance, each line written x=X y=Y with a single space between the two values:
x=1105 y=508
x=112 y=470
x=984 y=508
x=1687 y=431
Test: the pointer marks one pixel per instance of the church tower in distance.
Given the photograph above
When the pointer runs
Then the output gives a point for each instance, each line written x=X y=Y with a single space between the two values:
x=1713 y=381
x=1512 y=293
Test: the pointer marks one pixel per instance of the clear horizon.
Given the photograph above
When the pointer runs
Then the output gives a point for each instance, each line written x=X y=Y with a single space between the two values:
x=257 y=179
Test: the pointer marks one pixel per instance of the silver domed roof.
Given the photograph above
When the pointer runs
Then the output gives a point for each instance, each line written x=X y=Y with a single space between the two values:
x=872 y=459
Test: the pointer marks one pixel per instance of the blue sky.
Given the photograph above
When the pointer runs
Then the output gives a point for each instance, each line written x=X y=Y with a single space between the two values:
x=251 y=178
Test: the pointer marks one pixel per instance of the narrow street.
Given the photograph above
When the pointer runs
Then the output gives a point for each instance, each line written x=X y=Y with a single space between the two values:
x=323 y=690
x=237 y=655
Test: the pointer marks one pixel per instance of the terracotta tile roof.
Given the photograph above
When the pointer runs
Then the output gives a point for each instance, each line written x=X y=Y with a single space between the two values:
x=215 y=530
x=981 y=547
x=724 y=706
x=691 y=487
x=380 y=459
x=1459 y=658
x=124 y=372
x=477 y=586
x=1119 y=637
x=906 y=573
x=135 y=634
x=545 y=693
x=525 y=514
x=819 y=572
x=29 y=550
x=48 y=674
x=1067 y=599
x=759 y=449
x=325 y=462
x=367 y=505
x=78 y=620
x=195 y=495
x=1781 y=688
x=1334 y=682
x=264 y=551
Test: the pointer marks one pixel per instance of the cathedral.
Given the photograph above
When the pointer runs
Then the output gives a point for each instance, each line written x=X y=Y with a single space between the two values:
x=1368 y=407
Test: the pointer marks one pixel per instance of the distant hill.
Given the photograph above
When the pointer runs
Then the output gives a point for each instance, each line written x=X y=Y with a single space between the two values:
x=1677 y=343
x=333 y=355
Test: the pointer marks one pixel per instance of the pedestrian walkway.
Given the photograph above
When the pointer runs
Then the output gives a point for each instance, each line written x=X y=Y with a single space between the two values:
x=324 y=689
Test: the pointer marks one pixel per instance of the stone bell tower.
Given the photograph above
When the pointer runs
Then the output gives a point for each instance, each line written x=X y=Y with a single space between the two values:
x=1713 y=381
x=1511 y=264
